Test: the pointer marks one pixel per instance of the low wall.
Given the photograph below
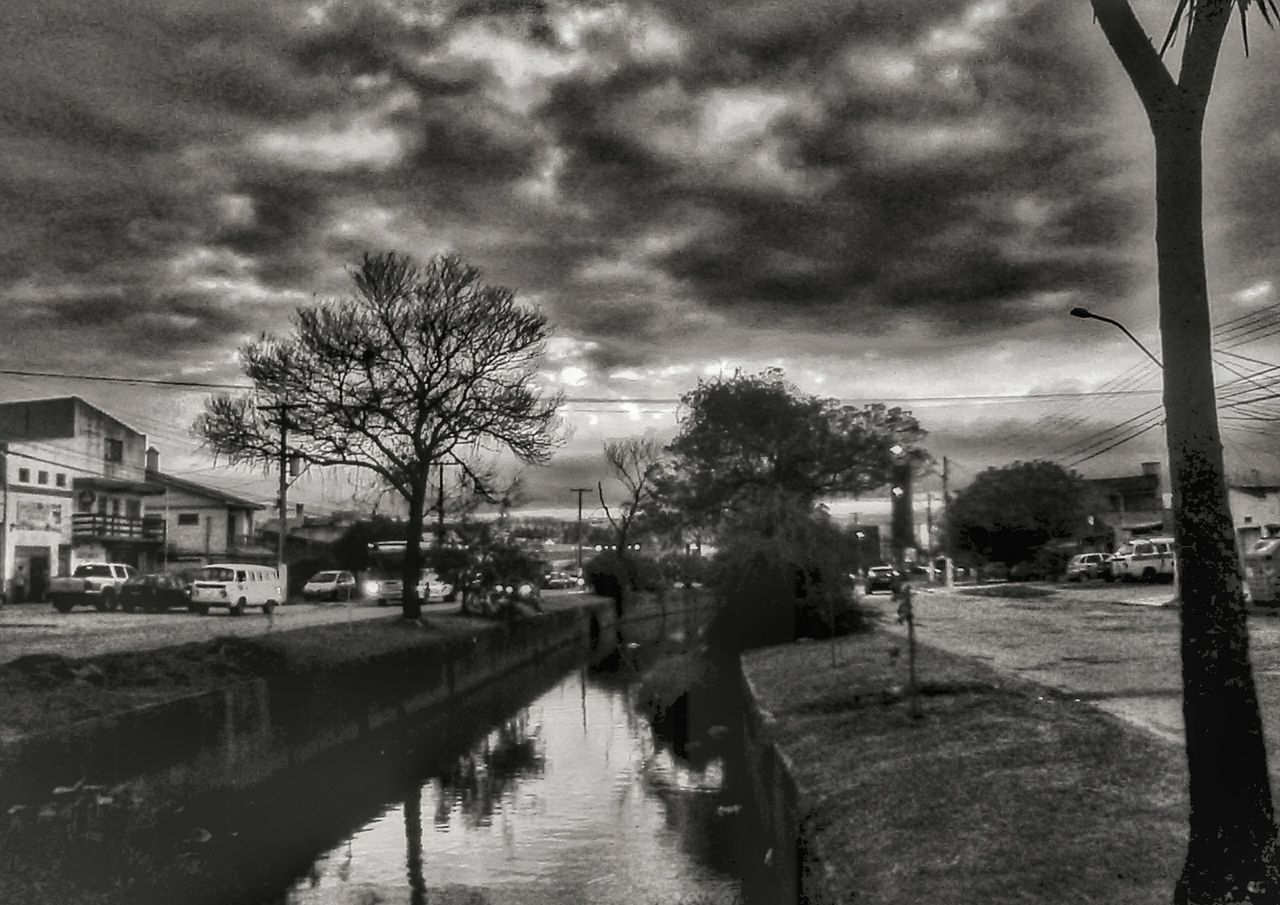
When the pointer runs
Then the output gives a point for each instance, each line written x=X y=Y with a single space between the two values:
x=241 y=735
x=782 y=809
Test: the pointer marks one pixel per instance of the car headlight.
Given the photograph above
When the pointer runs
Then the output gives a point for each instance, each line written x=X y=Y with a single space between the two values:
x=525 y=590
x=371 y=588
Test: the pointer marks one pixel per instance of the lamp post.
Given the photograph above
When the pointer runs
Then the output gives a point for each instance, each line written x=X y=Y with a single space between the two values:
x=1086 y=313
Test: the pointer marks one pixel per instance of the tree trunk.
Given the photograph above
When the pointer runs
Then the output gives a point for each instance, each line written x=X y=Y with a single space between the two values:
x=411 y=570
x=1232 y=826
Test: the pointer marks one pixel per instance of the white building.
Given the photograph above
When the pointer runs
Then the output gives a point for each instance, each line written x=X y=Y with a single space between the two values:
x=204 y=523
x=1255 y=512
x=74 y=489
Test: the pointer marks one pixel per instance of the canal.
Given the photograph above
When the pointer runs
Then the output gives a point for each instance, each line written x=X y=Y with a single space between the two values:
x=548 y=786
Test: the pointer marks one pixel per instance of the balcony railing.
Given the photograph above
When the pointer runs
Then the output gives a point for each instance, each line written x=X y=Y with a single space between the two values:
x=98 y=526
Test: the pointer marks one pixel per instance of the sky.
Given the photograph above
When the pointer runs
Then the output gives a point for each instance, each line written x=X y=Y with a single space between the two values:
x=894 y=202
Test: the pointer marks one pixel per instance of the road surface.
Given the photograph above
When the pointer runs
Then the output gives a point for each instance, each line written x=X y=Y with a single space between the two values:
x=1114 y=646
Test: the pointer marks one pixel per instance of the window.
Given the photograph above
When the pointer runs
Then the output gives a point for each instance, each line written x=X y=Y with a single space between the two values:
x=113 y=450
x=24 y=475
x=60 y=479
x=42 y=477
x=188 y=518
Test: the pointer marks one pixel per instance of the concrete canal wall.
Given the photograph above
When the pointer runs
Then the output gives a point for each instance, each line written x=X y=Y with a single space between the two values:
x=782 y=807
x=242 y=734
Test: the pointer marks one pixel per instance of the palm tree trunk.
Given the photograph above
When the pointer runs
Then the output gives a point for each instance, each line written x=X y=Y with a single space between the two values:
x=1232 y=824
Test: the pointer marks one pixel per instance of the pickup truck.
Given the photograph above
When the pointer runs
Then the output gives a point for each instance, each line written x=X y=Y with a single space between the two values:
x=95 y=584
x=1146 y=559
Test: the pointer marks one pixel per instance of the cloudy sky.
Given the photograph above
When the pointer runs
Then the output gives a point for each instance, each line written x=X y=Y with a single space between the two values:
x=894 y=201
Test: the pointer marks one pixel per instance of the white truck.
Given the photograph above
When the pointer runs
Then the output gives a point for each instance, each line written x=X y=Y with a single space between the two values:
x=95 y=584
x=1145 y=559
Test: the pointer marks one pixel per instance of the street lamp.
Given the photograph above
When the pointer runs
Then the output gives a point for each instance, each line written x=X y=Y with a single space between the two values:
x=1087 y=314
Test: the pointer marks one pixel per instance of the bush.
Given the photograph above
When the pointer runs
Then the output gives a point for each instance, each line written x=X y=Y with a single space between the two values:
x=609 y=575
x=780 y=575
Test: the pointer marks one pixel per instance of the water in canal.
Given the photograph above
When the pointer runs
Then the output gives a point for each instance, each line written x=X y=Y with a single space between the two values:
x=570 y=799
x=545 y=787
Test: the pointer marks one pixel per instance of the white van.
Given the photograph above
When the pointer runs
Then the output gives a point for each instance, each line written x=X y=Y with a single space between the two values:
x=1145 y=559
x=235 y=586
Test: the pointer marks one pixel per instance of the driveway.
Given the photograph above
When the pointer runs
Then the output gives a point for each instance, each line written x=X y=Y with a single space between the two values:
x=1112 y=645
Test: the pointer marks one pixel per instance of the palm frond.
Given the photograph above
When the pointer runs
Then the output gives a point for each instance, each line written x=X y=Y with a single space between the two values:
x=1187 y=9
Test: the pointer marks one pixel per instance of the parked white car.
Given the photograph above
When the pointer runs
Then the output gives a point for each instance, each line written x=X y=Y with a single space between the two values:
x=432 y=588
x=1145 y=559
x=333 y=585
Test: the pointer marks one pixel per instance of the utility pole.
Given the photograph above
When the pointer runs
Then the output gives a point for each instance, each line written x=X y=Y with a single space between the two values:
x=948 y=575
x=281 y=566
x=580 y=491
x=928 y=515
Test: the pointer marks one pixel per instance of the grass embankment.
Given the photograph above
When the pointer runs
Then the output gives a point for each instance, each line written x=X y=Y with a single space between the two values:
x=1002 y=792
x=45 y=691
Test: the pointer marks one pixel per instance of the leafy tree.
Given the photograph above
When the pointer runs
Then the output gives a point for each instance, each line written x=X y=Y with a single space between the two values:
x=419 y=367
x=1007 y=514
x=1231 y=852
x=746 y=435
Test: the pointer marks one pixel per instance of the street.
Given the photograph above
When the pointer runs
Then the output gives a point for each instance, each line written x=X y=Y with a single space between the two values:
x=1111 y=645
x=36 y=628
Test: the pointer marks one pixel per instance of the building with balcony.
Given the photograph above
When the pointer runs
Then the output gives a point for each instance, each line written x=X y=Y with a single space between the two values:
x=203 y=524
x=75 y=489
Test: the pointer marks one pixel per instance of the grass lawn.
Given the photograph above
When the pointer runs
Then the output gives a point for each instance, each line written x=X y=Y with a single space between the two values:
x=44 y=692
x=1002 y=792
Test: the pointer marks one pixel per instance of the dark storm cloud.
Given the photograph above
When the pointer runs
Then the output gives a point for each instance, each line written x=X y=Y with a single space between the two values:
x=613 y=184
x=921 y=187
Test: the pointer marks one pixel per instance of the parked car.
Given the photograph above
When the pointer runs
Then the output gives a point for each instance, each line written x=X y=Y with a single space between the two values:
x=333 y=585
x=1146 y=559
x=432 y=588
x=155 y=592
x=235 y=586
x=882 y=578
x=559 y=581
x=1084 y=566
x=95 y=584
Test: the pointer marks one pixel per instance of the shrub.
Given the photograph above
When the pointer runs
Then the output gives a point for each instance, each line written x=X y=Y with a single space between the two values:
x=780 y=575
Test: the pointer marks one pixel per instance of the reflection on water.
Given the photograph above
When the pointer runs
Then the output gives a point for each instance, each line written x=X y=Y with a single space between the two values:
x=571 y=800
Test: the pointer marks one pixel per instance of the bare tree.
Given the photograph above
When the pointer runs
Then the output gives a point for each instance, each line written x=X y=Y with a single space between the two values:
x=1231 y=855
x=419 y=367
x=634 y=462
